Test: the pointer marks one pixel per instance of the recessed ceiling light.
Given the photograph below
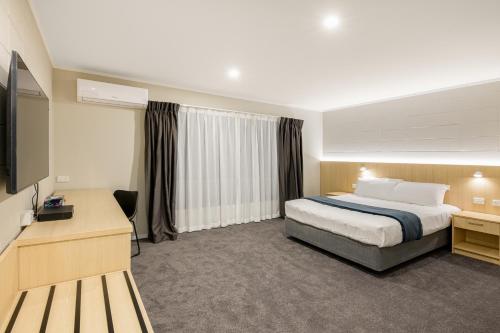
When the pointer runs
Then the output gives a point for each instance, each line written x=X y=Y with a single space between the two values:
x=233 y=73
x=331 y=22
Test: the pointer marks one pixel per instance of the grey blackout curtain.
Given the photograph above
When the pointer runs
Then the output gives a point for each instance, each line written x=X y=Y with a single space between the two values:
x=161 y=161
x=290 y=163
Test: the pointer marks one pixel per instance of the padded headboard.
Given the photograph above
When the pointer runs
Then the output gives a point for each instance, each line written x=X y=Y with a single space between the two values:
x=339 y=176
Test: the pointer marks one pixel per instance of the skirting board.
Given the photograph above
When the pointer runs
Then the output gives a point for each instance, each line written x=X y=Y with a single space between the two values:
x=140 y=236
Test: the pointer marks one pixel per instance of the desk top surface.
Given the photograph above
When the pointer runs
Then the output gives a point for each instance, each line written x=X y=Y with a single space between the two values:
x=96 y=213
x=478 y=216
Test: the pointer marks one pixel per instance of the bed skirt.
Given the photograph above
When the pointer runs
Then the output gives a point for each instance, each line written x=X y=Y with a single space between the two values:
x=370 y=256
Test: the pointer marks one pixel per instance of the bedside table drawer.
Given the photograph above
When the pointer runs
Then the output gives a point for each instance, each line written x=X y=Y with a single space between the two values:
x=477 y=225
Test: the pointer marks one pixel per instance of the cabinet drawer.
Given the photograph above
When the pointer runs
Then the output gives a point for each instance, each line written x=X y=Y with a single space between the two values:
x=477 y=225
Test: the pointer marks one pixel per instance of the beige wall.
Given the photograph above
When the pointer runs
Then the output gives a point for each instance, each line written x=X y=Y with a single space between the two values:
x=99 y=146
x=18 y=31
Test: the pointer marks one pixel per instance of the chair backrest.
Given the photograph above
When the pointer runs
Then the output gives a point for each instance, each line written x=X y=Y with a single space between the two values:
x=127 y=201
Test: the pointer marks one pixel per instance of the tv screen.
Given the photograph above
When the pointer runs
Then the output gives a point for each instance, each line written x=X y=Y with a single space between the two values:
x=27 y=125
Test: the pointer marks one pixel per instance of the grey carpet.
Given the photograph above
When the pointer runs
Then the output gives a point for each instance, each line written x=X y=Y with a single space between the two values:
x=250 y=278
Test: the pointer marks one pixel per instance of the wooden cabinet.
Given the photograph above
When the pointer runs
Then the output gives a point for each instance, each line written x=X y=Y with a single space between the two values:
x=95 y=241
x=477 y=235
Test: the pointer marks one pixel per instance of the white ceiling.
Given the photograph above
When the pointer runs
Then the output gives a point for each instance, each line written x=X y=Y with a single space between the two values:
x=382 y=49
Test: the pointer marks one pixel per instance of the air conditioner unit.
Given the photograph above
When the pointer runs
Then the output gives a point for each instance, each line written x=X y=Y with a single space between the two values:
x=111 y=94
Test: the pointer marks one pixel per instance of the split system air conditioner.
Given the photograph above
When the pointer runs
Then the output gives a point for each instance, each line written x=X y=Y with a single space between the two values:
x=111 y=94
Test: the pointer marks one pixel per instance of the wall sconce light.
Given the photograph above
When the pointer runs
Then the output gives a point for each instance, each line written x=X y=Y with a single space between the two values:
x=365 y=173
x=478 y=174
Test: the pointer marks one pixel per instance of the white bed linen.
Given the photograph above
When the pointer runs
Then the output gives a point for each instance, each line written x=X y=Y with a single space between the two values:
x=370 y=229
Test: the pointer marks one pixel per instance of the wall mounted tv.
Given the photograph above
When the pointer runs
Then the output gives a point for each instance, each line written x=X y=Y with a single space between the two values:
x=27 y=127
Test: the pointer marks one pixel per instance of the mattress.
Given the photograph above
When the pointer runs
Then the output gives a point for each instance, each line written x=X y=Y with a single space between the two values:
x=369 y=229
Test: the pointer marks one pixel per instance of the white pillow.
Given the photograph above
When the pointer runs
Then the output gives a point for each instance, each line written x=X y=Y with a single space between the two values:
x=425 y=194
x=379 y=188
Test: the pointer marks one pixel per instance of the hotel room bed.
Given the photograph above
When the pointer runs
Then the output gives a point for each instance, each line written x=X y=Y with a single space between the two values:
x=370 y=240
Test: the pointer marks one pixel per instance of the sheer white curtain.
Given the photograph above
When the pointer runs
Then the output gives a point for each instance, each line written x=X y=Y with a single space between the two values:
x=227 y=169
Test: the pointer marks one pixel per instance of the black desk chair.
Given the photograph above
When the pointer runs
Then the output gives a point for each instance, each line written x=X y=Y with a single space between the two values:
x=128 y=202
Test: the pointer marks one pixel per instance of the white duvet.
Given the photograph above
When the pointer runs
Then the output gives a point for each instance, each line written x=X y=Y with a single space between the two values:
x=370 y=229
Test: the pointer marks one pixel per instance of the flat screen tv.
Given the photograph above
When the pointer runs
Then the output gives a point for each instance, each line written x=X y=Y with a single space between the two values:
x=27 y=127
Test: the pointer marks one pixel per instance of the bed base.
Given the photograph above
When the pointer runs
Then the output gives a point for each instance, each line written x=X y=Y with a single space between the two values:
x=370 y=256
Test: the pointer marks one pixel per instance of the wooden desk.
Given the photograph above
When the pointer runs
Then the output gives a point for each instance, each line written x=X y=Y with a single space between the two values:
x=95 y=241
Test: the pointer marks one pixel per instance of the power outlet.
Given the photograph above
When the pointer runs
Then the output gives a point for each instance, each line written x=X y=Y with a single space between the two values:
x=478 y=200
x=62 y=179
x=495 y=202
x=26 y=218
x=353 y=186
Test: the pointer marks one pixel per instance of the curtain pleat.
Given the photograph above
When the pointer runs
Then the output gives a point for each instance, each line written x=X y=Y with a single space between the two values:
x=227 y=169
x=161 y=164
x=290 y=163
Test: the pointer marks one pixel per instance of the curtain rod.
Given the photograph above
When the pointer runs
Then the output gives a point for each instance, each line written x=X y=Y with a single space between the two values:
x=228 y=110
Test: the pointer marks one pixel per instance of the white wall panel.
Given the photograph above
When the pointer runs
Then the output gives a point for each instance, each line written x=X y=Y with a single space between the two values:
x=463 y=124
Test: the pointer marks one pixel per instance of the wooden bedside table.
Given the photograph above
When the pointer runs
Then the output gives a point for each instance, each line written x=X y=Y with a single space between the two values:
x=334 y=194
x=476 y=235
